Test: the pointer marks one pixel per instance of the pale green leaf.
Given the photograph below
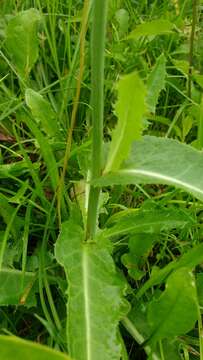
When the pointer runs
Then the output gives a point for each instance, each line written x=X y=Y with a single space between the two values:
x=21 y=40
x=18 y=349
x=172 y=314
x=151 y=28
x=130 y=108
x=161 y=161
x=122 y=16
x=42 y=112
x=17 y=288
x=156 y=83
x=95 y=302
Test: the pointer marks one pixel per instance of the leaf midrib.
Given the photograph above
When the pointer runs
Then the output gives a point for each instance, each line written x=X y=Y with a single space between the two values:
x=85 y=274
x=167 y=178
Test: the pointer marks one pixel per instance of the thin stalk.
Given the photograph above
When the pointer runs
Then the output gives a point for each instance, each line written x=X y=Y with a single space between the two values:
x=75 y=106
x=99 y=16
x=192 y=37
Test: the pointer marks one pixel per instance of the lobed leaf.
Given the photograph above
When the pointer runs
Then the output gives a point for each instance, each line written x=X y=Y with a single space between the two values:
x=130 y=108
x=95 y=303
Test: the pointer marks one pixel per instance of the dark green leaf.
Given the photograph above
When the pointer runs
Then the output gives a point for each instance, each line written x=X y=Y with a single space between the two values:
x=176 y=311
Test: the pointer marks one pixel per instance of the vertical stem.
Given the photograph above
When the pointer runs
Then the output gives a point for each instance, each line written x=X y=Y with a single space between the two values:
x=99 y=15
x=192 y=36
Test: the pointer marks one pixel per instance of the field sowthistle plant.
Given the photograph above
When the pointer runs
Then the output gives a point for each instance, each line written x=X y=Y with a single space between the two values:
x=109 y=213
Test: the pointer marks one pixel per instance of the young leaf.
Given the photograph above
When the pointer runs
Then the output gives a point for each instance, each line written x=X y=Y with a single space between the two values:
x=21 y=40
x=95 y=303
x=42 y=112
x=172 y=314
x=151 y=28
x=156 y=83
x=130 y=108
x=14 y=347
x=160 y=161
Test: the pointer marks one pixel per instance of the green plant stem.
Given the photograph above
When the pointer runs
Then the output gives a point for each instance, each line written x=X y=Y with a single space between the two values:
x=138 y=337
x=192 y=37
x=99 y=15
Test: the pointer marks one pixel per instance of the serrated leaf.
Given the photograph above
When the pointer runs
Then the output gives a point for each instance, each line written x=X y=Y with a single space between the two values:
x=42 y=112
x=130 y=108
x=156 y=160
x=190 y=260
x=21 y=40
x=14 y=347
x=156 y=83
x=151 y=28
x=172 y=314
x=151 y=220
x=95 y=303
x=17 y=288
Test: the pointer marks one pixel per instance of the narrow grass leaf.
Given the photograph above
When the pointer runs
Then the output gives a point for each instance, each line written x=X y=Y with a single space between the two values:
x=160 y=161
x=95 y=296
x=6 y=212
x=45 y=149
x=42 y=112
x=130 y=108
x=151 y=28
x=176 y=310
x=22 y=41
x=156 y=83
x=14 y=347
x=15 y=169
